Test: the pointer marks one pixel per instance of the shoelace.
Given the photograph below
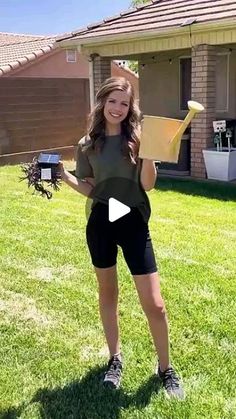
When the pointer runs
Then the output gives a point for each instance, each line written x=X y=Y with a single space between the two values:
x=114 y=366
x=170 y=379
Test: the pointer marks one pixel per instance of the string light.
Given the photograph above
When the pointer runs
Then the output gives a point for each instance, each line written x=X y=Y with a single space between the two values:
x=154 y=60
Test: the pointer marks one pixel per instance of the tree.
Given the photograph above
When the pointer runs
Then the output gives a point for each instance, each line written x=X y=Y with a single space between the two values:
x=136 y=2
x=133 y=65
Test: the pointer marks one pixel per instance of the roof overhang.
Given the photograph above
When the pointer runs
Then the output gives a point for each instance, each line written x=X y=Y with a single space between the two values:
x=214 y=33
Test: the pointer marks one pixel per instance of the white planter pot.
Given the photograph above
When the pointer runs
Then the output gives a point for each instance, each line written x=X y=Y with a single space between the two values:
x=220 y=165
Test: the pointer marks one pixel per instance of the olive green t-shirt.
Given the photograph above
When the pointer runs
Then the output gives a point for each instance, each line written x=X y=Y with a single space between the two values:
x=114 y=175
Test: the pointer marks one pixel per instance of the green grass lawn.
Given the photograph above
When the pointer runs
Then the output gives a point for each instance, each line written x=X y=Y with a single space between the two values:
x=52 y=349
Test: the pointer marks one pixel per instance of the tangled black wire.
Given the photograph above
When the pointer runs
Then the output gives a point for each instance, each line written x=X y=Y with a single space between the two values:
x=32 y=173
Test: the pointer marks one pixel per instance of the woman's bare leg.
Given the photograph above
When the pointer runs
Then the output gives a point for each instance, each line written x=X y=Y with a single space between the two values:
x=108 y=303
x=148 y=287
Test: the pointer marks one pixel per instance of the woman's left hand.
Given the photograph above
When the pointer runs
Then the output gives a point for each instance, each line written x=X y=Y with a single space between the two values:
x=148 y=174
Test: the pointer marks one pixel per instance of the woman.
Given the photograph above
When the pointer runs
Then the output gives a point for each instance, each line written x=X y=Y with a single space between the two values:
x=108 y=166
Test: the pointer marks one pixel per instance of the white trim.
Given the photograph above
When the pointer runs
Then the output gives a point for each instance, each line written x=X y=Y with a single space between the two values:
x=227 y=82
x=197 y=28
x=132 y=44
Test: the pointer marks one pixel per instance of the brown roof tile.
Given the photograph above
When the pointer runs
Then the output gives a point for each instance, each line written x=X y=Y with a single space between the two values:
x=17 y=50
x=14 y=38
x=158 y=15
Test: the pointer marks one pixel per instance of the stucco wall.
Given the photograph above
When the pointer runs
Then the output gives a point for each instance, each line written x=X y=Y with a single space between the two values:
x=56 y=65
x=159 y=87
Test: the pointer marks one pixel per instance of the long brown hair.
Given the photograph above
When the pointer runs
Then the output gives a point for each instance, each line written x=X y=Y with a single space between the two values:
x=130 y=127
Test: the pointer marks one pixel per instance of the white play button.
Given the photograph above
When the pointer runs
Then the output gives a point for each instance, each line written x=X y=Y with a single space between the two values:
x=116 y=209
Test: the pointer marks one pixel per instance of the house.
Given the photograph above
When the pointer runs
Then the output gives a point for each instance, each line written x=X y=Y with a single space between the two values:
x=185 y=49
x=44 y=96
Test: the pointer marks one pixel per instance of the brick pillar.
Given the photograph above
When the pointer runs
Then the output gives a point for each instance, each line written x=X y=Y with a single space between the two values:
x=203 y=91
x=101 y=71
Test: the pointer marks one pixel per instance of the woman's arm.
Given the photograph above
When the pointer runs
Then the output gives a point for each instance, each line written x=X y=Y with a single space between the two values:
x=90 y=180
x=148 y=174
x=81 y=186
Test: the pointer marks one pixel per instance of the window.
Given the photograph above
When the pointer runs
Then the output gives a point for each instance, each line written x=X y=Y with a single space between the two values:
x=71 y=56
x=222 y=82
x=185 y=82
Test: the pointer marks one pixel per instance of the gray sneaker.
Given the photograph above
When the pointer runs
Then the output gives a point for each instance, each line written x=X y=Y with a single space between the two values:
x=112 y=376
x=171 y=382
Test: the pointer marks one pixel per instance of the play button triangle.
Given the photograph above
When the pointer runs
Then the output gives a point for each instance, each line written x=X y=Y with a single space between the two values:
x=116 y=209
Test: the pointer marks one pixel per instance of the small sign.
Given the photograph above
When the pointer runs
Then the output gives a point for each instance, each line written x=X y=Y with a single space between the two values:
x=219 y=126
x=46 y=174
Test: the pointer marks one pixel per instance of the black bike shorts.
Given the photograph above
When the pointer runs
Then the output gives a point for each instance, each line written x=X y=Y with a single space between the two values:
x=130 y=232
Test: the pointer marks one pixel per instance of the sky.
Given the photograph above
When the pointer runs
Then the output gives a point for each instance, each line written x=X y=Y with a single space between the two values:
x=50 y=17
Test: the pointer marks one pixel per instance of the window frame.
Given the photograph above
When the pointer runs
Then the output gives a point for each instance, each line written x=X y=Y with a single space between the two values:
x=227 y=82
x=68 y=51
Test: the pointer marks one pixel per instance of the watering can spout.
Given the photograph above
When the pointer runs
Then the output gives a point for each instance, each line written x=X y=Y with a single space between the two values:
x=161 y=137
x=194 y=108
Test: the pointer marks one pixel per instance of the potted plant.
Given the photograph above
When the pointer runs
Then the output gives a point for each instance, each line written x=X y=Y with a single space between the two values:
x=220 y=161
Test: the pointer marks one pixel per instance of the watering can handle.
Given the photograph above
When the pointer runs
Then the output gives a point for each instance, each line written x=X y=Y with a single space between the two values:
x=194 y=108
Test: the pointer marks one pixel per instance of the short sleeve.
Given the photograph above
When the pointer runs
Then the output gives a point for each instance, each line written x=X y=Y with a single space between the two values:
x=83 y=167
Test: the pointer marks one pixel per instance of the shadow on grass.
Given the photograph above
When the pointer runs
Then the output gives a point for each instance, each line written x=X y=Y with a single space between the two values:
x=210 y=189
x=86 y=399
x=224 y=191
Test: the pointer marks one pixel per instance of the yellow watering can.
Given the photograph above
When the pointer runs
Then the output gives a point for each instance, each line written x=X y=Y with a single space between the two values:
x=161 y=137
